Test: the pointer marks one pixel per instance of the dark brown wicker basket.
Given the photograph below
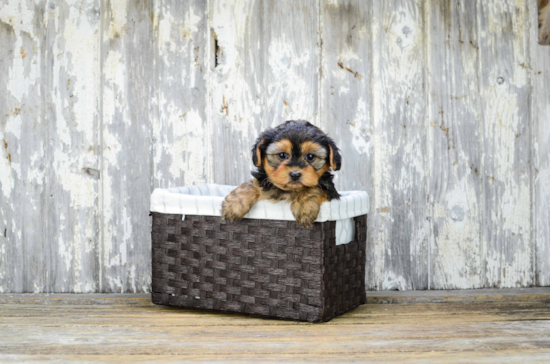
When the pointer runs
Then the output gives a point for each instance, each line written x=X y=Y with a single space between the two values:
x=269 y=268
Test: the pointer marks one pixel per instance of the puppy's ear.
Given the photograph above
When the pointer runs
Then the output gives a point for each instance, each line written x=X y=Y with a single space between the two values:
x=257 y=152
x=335 y=159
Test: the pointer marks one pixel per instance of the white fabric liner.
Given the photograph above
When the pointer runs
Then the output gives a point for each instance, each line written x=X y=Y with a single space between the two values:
x=207 y=200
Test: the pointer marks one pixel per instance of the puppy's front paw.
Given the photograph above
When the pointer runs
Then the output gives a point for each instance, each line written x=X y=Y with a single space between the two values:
x=306 y=212
x=239 y=202
x=233 y=209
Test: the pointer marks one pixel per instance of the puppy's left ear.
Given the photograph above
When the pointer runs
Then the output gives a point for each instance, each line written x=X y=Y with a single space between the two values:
x=335 y=159
x=257 y=152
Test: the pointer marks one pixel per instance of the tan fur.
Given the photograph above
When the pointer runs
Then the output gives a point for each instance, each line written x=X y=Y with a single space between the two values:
x=305 y=197
x=259 y=154
x=279 y=175
x=309 y=146
x=331 y=158
x=310 y=177
x=306 y=205
x=285 y=145
x=240 y=201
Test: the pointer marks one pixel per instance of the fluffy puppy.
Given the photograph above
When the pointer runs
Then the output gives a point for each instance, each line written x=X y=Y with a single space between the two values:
x=293 y=164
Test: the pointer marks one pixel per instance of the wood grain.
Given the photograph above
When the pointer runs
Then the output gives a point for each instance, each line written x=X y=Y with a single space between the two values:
x=534 y=355
x=400 y=217
x=455 y=132
x=345 y=92
x=50 y=158
x=180 y=123
x=440 y=109
x=505 y=92
x=70 y=81
x=292 y=61
x=259 y=78
x=540 y=103
x=126 y=84
x=236 y=84
x=441 y=332
x=24 y=253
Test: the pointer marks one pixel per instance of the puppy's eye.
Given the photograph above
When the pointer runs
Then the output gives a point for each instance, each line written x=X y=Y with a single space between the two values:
x=310 y=157
x=282 y=156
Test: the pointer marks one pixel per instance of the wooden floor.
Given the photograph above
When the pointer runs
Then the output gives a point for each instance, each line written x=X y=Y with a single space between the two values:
x=484 y=326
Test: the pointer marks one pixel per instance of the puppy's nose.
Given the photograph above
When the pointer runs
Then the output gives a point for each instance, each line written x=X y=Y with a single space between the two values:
x=295 y=175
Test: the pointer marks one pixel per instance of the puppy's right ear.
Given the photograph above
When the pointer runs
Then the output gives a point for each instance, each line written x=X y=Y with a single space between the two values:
x=257 y=152
x=335 y=159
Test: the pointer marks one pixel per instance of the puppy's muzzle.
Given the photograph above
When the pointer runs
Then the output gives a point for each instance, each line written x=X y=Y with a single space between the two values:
x=295 y=176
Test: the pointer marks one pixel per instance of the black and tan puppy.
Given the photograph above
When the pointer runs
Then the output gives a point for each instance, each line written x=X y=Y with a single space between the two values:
x=293 y=162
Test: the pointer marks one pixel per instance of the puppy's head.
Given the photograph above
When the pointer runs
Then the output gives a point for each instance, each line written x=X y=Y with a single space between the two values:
x=295 y=155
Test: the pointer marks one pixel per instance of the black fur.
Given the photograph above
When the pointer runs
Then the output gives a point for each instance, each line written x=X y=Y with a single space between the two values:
x=297 y=132
x=326 y=184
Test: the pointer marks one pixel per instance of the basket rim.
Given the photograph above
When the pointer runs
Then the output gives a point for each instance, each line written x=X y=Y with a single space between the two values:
x=206 y=200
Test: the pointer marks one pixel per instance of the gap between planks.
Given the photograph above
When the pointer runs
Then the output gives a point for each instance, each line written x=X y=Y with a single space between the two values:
x=539 y=294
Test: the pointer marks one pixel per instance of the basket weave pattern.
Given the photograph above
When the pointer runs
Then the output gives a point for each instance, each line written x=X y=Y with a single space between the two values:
x=267 y=268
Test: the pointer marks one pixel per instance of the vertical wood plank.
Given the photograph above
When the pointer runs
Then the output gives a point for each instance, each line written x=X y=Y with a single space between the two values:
x=345 y=91
x=236 y=87
x=346 y=99
x=456 y=188
x=540 y=72
x=54 y=148
x=290 y=56
x=89 y=126
x=24 y=244
x=397 y=258
x=505 y=100
x=70 y=80
x=180 y=127
x=264 y=68
x=127 y=65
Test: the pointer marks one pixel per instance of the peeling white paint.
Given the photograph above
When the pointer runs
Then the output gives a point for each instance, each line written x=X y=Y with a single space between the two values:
x=20 y=17
x=284 y=62
x=122 y=250
x=193 y=147
x=165 y=32
x=260 y=82
x=64 y=248
x=6 y=178
x=507 y=239
x=394 y=282
x=81 y=39
x=132 y=278
x=117 y=25
x=454 y=261
x=115 y=284
x=359 y=127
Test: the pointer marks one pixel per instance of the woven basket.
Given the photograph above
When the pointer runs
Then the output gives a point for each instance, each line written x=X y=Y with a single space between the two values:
x=271 y=268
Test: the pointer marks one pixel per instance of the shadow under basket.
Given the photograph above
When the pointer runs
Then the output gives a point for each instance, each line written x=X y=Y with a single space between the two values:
x=270 y=268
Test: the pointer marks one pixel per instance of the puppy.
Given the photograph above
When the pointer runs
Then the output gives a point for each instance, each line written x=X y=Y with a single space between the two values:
x=293 y=164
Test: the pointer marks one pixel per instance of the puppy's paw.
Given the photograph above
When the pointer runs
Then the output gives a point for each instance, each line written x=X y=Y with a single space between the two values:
x=233 y=209
x=305 y=212
x=239 y=202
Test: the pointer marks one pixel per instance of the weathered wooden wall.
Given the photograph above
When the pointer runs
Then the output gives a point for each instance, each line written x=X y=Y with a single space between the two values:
x=441 y=109
x=544 y=22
